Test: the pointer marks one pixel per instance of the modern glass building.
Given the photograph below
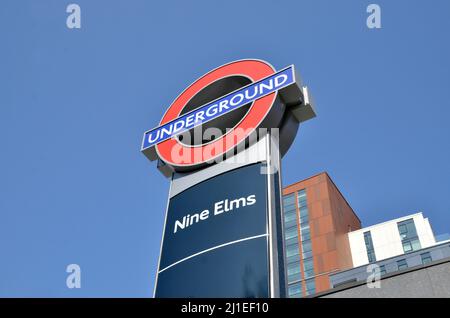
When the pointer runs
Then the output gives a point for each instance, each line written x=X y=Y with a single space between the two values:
x=324 y=240
x=317 y=219
x=391 y=238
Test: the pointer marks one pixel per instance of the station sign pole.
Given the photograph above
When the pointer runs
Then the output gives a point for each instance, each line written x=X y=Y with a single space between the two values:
x=223 y=232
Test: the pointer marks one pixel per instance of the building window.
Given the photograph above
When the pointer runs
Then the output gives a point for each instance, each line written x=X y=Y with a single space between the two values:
x=383 y=270
x=288 y=200
x=308 y=263
x=291 y=233
x=293 y=271
x=295 y=290
x=301 y=198
x=306 y=249
x=290 y=216
x=291 y=238
x=310 y=285
x=292 y=227
x=426 y=258
x=292 y=250
x=408 y=235
x=303 y=214
x=305 y=233
x=293 y=259
x=401 y=264
x=369 y=247
x=308 y=267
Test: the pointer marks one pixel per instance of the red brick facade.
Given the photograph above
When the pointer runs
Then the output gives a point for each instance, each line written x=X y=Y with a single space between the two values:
x=330 y=219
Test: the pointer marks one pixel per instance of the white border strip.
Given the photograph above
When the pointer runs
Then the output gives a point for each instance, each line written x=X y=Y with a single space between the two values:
x=213 y=248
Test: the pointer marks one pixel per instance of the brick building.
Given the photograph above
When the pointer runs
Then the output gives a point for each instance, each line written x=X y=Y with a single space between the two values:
x=317 y=219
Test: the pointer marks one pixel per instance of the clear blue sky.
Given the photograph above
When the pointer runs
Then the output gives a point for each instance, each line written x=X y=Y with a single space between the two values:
x=74 y=187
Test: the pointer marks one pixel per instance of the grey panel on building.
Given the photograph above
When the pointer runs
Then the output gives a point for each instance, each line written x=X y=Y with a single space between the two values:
x=431 y=281
x=426 y=274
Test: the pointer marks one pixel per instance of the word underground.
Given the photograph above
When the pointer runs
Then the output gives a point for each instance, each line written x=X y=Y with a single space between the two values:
x=220 y=107
x=219 y=208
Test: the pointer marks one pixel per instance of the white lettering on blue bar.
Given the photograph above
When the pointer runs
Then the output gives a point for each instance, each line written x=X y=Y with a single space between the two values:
x=220 y=107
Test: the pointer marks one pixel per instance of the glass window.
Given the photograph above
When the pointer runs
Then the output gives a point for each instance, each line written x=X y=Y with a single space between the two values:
x=408 y=235
x=289 y=207
x=407 y=247
x=310 y=285
x=307 y=246
x=415 y=244
x=411 y=245
x=292 y=240
x=290 y=216
x=302 y=193
x=306 y=249
x=308 y=263
x=426 y=258
x=308 y=267
x=402 y=264
x=309 y=273
x=407 y=229
x=305 y=233
x=293 y=270
x=290 y=224
x=292 y=259
x=304 y=212
x=295 y=290
x=292 y=250
x=291 y=232
x=306 y=236
x=294 y=277
x=371 y=256
x=304 y=219
x=304 y=226
x=411 y=227
x=289 y=199
x=307 y=254
x=402 y=229
x=369 y=247
x=301 y=198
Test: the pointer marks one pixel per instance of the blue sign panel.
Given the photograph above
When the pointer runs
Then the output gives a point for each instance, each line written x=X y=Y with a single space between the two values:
x=215 y=240
x=219 y=107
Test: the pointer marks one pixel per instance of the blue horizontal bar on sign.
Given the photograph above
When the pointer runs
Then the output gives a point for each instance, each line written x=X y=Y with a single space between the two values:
x=220 y=107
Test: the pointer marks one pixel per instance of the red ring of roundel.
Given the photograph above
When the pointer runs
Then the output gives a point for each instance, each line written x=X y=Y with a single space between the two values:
x=253 y=69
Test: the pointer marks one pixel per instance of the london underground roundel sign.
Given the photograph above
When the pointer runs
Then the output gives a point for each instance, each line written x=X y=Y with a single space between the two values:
x=236 y=98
